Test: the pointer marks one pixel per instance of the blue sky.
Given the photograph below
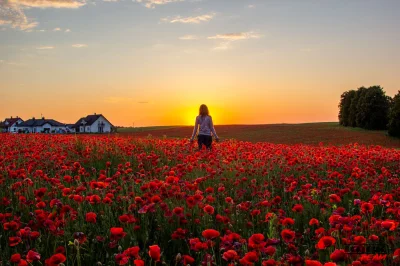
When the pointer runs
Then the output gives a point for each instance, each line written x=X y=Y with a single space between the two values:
x=280 y=61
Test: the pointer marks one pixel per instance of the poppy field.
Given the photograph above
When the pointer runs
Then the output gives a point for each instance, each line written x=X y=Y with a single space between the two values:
x=108 y=200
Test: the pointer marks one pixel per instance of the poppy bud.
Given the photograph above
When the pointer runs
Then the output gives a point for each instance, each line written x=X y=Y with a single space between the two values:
x=76 y=243
x=178 y=257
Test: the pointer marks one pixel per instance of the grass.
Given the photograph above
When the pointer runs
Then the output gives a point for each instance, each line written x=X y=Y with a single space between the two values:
x=142 y=129
x=307 y=133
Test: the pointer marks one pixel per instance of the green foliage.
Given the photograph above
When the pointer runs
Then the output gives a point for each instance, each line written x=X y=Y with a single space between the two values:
x=366 y=108
x=394 y=116
x=354 y=106
x=344 y=107
x=373 y=109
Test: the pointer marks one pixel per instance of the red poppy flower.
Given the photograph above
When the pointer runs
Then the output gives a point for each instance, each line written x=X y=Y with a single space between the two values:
x=287 y=235
x=396 y=255
x=288 y=221
x=367 y=207
x=91 y=217
x=132 y=252
x=127 y=219
x=325 y=242
x=298 y=208
x=187 y=260
x=208 y=209
x=257 y=242
x=313 y=263
x=389 y=225
x=270 y=262
x=138 y=262
x=270 y=250
x=11 y=226
x=117 y=233
x=155 y=252
x=121 y=259
x=55 y=260
x=359 y=240
x=249 y=258
x=178 y=211
x=32 y=256
x=230 y=255
x=313 y=221
x=60 y=249
x=210 y=234
x=333 y=198
x=338 y=255
x=14 y=240
x=15 y=258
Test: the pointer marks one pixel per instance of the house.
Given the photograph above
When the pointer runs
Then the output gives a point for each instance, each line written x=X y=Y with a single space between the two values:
x=41 y=126
x=95 y=123
x=10 y=124
x=70 y=128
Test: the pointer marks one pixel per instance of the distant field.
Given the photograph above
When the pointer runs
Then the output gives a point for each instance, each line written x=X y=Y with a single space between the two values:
x=311 y=133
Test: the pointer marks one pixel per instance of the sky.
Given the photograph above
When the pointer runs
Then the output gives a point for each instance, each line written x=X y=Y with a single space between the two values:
x=153 y=62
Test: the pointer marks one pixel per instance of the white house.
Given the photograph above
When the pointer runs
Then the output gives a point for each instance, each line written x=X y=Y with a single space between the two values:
x=41 y=126
x=10 y=124
x=96 y=123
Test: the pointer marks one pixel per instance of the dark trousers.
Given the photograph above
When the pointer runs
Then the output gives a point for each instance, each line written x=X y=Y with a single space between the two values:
x=204 y=140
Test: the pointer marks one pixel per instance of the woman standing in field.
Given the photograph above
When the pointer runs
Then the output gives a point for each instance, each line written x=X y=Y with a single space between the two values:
x=205 y=126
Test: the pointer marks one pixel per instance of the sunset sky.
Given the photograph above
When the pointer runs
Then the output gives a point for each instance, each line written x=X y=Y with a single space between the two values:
x=153 y=62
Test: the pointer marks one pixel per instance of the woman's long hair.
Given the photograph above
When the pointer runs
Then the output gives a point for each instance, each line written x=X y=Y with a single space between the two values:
x=203 y=111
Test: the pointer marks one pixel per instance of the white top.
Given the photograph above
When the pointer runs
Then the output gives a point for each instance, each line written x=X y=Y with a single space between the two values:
x=205 y=126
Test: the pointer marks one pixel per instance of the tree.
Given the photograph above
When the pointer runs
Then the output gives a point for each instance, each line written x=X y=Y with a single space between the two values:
x=354 y=105
x=344 y=107
x=372 y=109
x=394 y=117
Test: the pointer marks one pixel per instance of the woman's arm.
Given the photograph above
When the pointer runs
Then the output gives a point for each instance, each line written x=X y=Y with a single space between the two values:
x=196 y=125
x=213 y=129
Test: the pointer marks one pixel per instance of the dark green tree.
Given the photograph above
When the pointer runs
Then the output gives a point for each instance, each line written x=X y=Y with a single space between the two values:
x=354 y=105
x=344 y=107
x=394 y=117
x=372 y=109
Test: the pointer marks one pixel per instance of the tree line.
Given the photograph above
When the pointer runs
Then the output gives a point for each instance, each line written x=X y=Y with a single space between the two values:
x=370 y=108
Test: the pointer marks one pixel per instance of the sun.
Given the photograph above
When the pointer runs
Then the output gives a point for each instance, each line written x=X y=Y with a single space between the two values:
x=190 y=115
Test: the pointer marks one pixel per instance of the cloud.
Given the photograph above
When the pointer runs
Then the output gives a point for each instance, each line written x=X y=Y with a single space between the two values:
x=228 y=38
x=57 y=29
x=41 y=30
x=67 y=30
x=251 y=6
x=49 y=3
x=12 y=11
x=79 y=45
x=45 y=47
x=11 y=63
x=191 y=20
x=12 y=15
x=188 y=37
x=143 y=102
x=223 y=46
x=154 y=3
x=235 y=36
